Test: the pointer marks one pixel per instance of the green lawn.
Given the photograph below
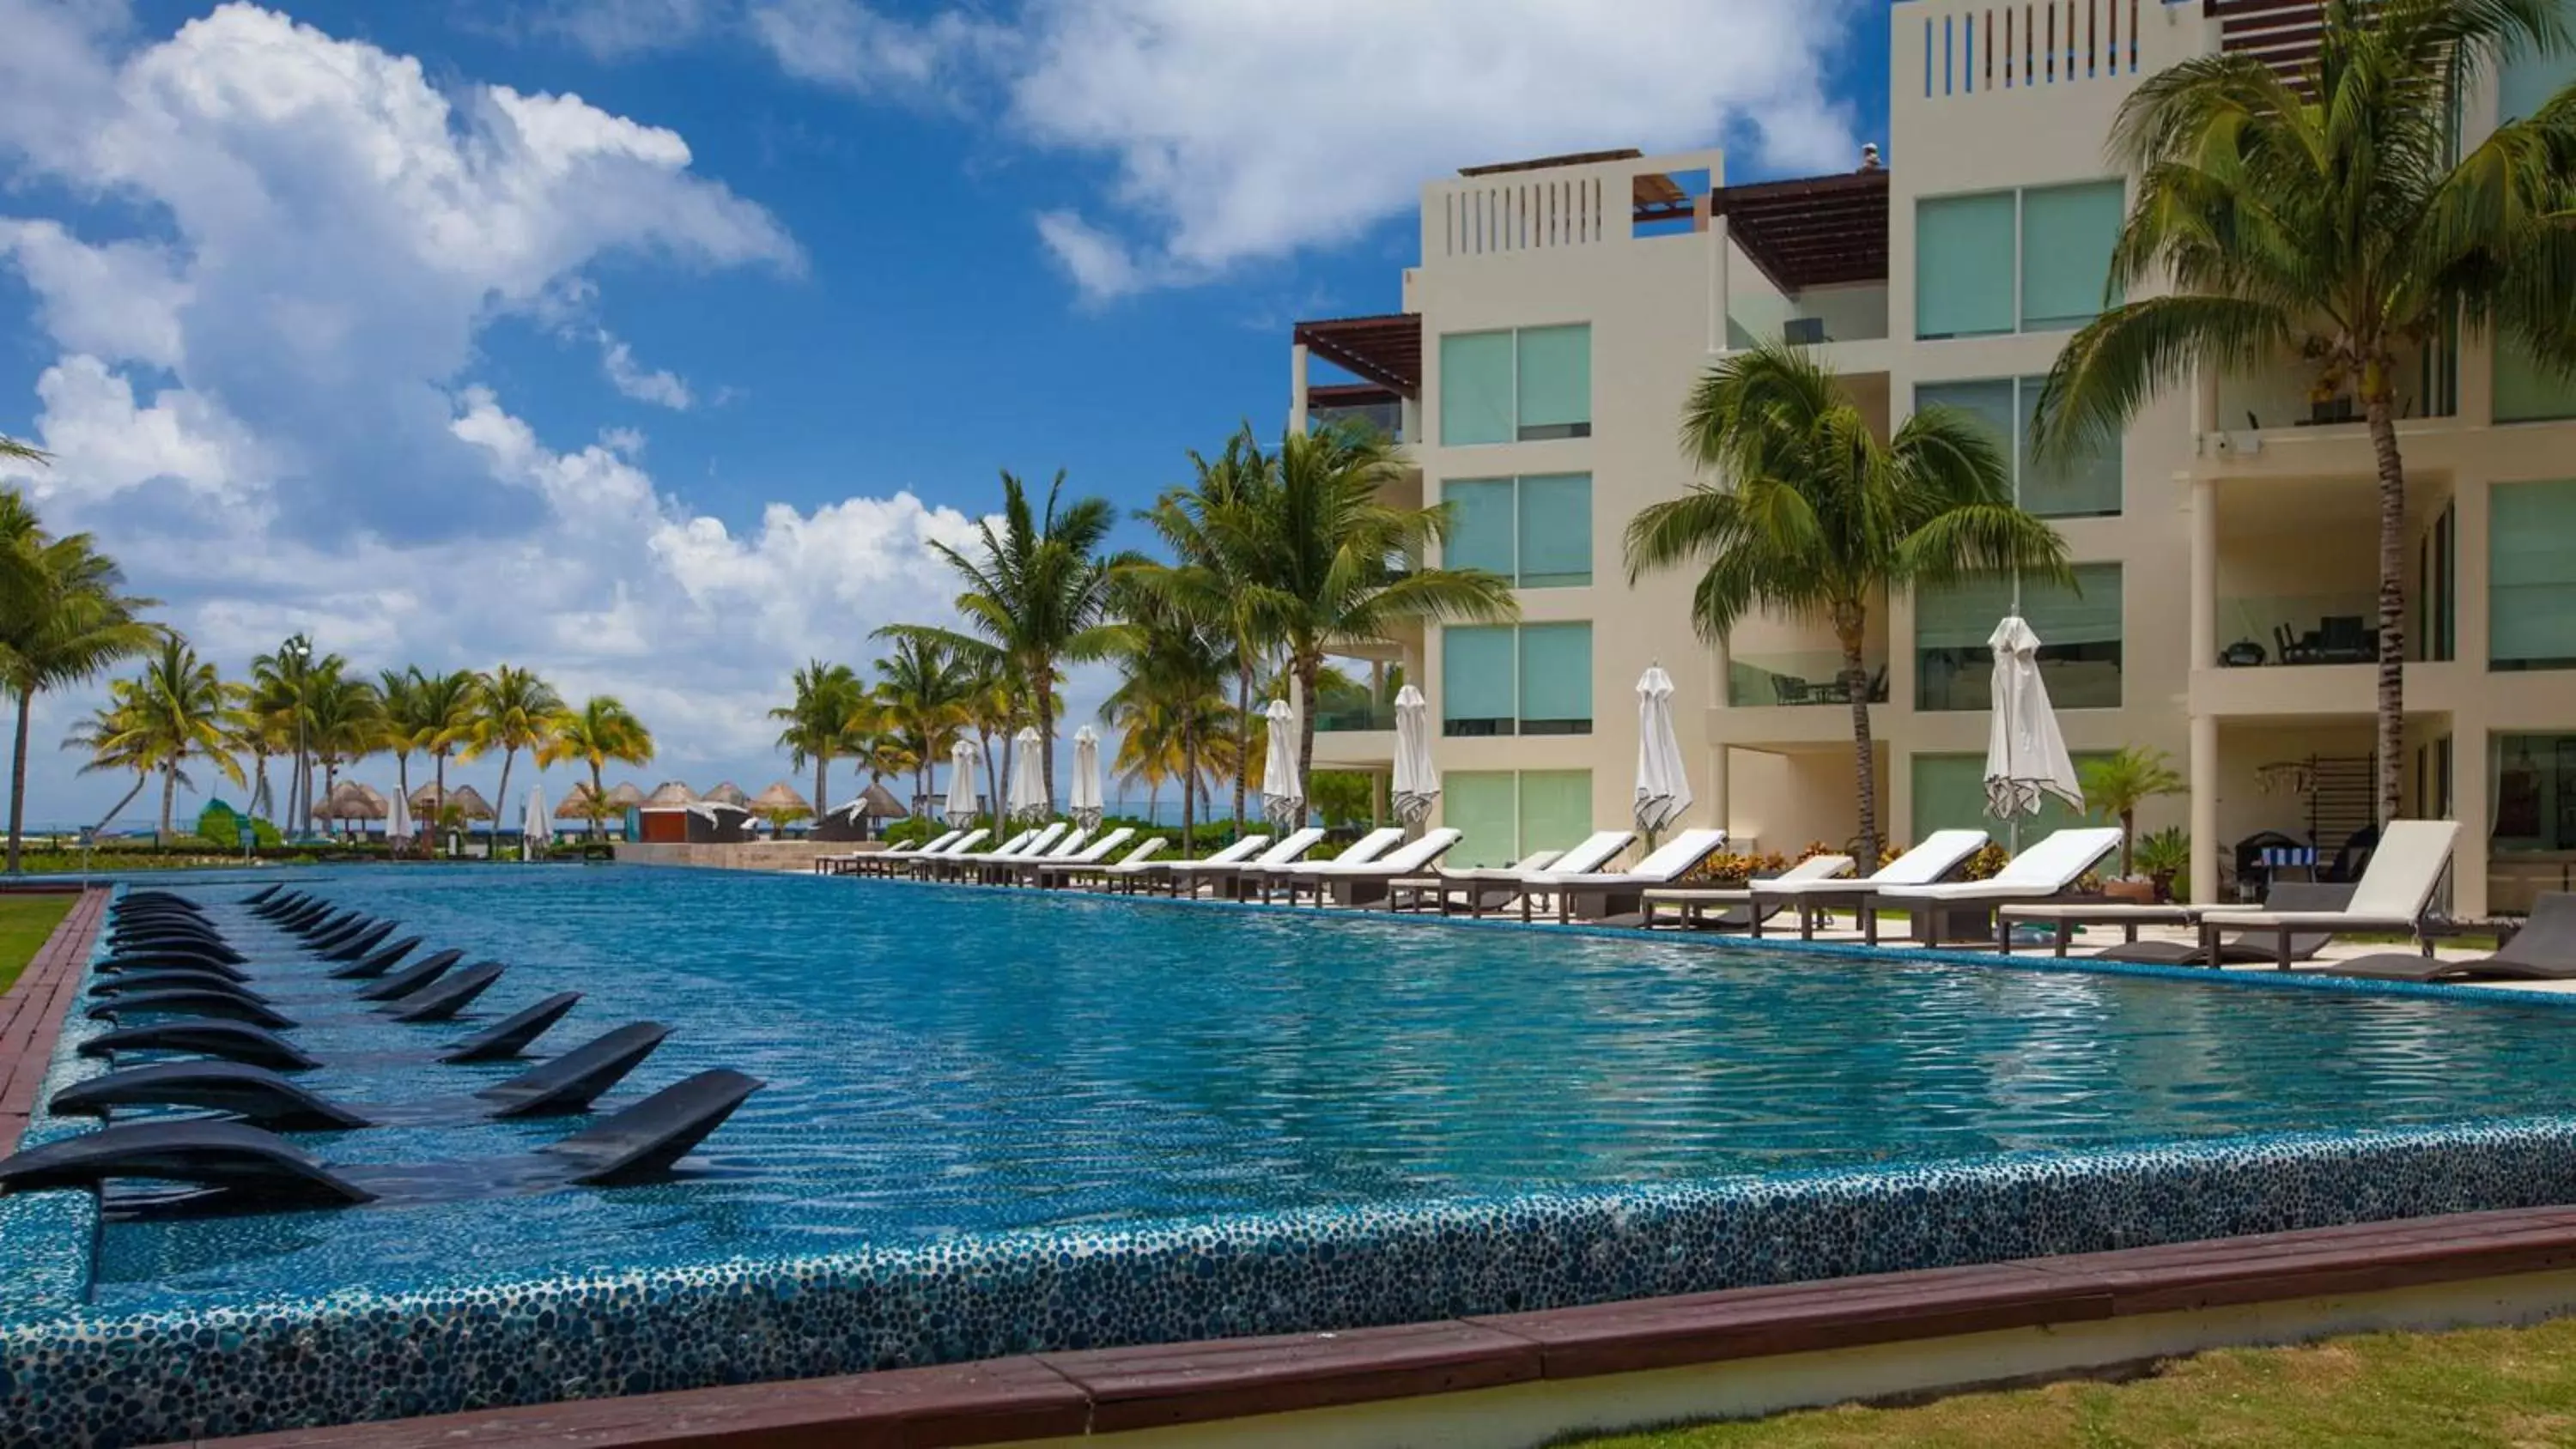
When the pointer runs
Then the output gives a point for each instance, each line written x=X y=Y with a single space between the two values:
x=25 y=922
x=2393 y=1390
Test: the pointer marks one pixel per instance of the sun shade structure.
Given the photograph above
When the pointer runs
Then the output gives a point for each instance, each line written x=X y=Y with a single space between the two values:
x=1663 y=783
x=781 y=800
x=1387 y=350
x=1417 y=775
x=1086 y=808
x=1814 y=231
x=626 y=796
x=350 y=800
x=880 y=804
x=2025 y=754
x=470 y=800
x=1283 y=797
x=671 y=793
x=576 y=803
x=1028 y=778
x=727 y=793
x=964 y=757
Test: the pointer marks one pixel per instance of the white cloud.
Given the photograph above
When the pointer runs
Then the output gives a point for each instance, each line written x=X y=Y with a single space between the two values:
x=1254 y=129
x=266 y=402
x=620 y=29
x=860 y=48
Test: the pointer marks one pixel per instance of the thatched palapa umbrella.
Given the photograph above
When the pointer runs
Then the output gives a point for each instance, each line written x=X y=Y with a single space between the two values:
x=350 y=800
x=671 y=792
x=576 y=803
x=470 y=802
x=779 y=804
x=727 y=793
x=625 y=796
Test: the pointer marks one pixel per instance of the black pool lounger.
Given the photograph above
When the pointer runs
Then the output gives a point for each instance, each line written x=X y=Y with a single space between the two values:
x=2543 y=950
x=377 y=964
x=567 y=1084
x=191 y=1002
x=442 y=999
x=511 y=1035
x=328 y=943
x=2242 y=948
x=170 y=978
x=253 y=1169
x=413 y=977
x=125 y=961
x=231 y=1040
x=358 y=945
x=263 y=894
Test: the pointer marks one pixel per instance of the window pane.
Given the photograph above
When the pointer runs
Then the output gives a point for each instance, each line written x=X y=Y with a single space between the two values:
x=1476 y=388
x=1480 y=524
x=1556 y=679
x=1556 y=382
x=2085 y=486
x=2066 y=237
x=1963 y=265
x=1990 y=403
x=1476 y=681
x=2531 y=578
x=1556 y=808
x=2527 y=392
x=2532 y=780
x=2080 y=640
x=1556 y=530
x=1950 y=794
x=1479 y=804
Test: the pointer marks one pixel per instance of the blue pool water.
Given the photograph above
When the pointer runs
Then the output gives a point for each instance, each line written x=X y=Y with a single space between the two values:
x=944 y=1061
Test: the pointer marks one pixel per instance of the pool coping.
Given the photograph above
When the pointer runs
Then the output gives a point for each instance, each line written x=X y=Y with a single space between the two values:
x=32 y=1011
x=1049 y=1395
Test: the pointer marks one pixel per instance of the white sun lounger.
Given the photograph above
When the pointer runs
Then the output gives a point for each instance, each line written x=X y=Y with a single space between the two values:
x=1093 y=872
x=881 y=862
x=1618 y=892
x=1071 y=851
x=1371 y=882
x=2394 y=893
x=2044 y=870
x=920 y=865
x=1066 y=847
x=1147 y=874
x=1691 y=903
x=1492 y=888
x=1367 y=848
x=1227 y=876
x=1019 y=847
x=1421 y=892
x=1941 y=852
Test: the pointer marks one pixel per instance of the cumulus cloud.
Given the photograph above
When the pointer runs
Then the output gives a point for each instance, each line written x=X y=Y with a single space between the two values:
x=265 y=402
x=861 y=48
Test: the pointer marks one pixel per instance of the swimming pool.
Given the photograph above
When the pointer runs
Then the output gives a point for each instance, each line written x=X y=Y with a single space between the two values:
x=999 y=1121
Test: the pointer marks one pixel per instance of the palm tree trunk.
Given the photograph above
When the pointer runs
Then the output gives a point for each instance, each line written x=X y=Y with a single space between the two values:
x=822 y=806
x=18 y=784
x=1850 y=628
x=438 y=783
x=1310 y=665
x=140 y=780
x=1243 y=744
x=402 y=790
x=1189 y=795
x=598 y=801
x=2392 y=593
x=1046 y=737
x=500 y=807
x=992 y=782
x=259 y=774
x=169 y=802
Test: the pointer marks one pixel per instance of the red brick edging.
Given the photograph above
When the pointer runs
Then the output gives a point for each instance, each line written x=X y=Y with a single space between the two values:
x=31 y=1014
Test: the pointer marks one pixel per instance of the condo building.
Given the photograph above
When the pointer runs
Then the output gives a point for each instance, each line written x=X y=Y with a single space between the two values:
x=2226 y=552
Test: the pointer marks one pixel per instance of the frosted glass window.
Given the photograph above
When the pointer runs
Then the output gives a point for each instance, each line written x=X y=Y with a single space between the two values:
x=2067 y=233
x=1555 y=530
x=1476 y=388
x=1555 y=809
x=1556 y=679
x=1476 y=684
x=1481 y=805
x=1963 y=265
x=1480 y=524
x=2086 y=485
x=1989 y=402
x=2527 y=392
x=2531 y=576
x=1555 y=382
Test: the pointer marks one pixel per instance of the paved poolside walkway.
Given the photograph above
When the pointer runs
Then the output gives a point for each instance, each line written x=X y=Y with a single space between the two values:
x=31 y=1014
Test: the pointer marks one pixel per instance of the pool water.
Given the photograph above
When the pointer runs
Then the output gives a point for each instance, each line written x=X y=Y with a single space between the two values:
x=945 y=1061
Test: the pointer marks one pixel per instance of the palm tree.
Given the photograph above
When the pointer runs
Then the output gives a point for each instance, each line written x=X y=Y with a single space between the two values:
x=1815 y=517
x=176 y=711
x=68 y=620
x=2331 y=219
x=1210 y=578
x=991 y=708
x=111 y=736
x=921 y=696
x=830 y=712
x=344 y=720
x=603 y=729
x=1326 y=561
x=270 y=703
x=2118 y=783
x=1172 y=700
x=398 y=706
x=1035 y=597
x=439 y=718
x=513 y=710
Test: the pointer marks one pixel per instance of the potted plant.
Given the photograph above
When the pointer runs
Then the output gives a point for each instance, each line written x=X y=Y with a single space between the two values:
x=2162 y=857
x=2116 y=785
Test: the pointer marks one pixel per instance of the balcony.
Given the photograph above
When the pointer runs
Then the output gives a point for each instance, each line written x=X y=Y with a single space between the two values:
x=2079 y=675
x=2298 y=629
x=1351 y=712
x=1766 y=681
x=1337 y=406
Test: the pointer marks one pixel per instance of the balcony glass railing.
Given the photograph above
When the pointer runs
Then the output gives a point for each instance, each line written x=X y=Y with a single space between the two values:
x=2267 y=631
x=1384 y=419
x=2079 y=675
x=1343 y=714
x=1758 y=681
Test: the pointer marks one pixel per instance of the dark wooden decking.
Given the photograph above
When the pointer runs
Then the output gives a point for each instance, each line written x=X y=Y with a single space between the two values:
x=31 y=1015
x=1133 y=1388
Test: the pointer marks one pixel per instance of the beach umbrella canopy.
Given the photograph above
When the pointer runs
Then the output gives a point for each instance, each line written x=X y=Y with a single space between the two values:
x=781 y=800
x=728 y=793
x=626 y=796
x=1663 y=785
x=1417 y=778
x=672 y=792
x=2025 y=755
x=470 y=801
x=350 y=800
x=576 y=802
x=1283 y=797
x=1028 y=779
x=1086 y=778
x=879 y=803
x=535 y=824
x=963 y=758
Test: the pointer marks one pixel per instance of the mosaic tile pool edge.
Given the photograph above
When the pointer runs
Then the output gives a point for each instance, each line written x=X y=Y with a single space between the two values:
x=86 y=1378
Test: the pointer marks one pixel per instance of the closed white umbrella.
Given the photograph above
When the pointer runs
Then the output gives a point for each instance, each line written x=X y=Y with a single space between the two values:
x=537 y=827
x=1663 y=785
x=398 y=824
x=1283 y=796
x=963 y=758
x=1028 y=783
x=2025 y=755
x=1086 y=778
x=1417 y=779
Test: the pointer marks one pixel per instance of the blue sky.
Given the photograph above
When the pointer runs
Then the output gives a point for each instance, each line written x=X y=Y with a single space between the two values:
x=649 y=341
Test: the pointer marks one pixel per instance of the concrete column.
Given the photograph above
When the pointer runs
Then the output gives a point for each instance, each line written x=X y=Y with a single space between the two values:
x=1377 y=800
x=2204 y=575
x=2205 y=844
x=2470 y=859
x=1718 y=814
x=1717 y=283
x=1297 y=388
